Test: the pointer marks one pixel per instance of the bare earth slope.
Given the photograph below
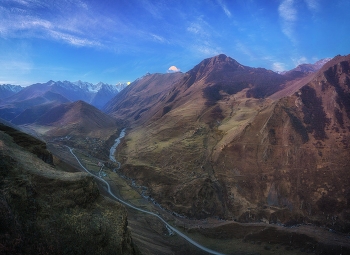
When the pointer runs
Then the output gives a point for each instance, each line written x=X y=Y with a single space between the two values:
x=221 y=144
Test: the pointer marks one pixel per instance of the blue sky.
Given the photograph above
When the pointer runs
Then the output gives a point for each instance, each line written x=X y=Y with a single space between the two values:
x=118 y=41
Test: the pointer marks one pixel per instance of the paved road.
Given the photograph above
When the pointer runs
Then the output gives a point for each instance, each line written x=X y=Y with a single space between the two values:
x=188 y=239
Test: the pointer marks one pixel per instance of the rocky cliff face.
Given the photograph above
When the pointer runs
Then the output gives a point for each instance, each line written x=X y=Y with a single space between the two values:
x=47 y=211
x=29 y=143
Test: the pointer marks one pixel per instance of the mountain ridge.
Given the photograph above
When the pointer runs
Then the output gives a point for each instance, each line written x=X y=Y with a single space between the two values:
x=91 y=93
x=198 y=141
x=40 y=97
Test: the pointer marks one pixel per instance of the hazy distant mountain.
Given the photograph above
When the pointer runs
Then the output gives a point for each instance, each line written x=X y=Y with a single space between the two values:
x=7 y=90
x=95 y=94
x=30 y=102
x=308 y=68
x=220 y=141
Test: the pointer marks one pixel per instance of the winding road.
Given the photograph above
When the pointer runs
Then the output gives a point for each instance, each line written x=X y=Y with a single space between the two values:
x=188 y=239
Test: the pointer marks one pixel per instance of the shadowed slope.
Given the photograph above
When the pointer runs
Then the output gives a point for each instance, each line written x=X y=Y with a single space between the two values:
x=45 y=210
x=75 y=118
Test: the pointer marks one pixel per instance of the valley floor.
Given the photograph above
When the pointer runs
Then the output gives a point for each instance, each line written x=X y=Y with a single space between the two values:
x=228 y=237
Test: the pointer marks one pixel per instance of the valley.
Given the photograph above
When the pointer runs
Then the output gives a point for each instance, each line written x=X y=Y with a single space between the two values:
x=223 y=159
x=226 y=237
x=222 y=236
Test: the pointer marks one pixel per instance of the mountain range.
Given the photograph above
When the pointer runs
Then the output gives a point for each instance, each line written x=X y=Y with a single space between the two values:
x=7 y=90
x=25 y=105
x=242 y=143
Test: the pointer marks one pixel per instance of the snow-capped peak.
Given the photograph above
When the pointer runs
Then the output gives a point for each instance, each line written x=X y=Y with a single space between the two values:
x=10 y=87
x=322 y=62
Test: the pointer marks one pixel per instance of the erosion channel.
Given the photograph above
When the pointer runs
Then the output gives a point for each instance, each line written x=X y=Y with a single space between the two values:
x=156 y=231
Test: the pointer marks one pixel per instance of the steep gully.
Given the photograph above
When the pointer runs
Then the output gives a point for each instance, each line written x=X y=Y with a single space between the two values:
x=112 y=158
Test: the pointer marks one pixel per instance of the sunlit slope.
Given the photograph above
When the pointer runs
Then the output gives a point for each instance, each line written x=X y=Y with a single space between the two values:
x=236 y=142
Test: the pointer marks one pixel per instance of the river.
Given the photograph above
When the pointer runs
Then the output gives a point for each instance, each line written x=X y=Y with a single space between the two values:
x=112 y=158
x=115 y=145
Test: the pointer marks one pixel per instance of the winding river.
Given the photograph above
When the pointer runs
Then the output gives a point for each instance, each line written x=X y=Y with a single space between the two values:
x=112 y=158
x=115 y=145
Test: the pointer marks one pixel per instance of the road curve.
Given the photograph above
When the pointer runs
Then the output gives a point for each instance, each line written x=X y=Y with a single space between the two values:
x=188 y=239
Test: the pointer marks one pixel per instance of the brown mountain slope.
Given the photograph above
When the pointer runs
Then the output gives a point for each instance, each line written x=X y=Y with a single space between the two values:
x=134 y=101
x=296 y=157
x=78 y=118
x=216 y=147
x=174 y=142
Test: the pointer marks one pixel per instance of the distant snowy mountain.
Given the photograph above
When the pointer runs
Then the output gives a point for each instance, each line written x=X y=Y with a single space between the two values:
x=7 y=90
x=105 y=92
x=96 y=94
x=29 y=103
x=308 y=68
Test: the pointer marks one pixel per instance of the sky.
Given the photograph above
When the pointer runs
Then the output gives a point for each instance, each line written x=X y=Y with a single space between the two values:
x=121 y=40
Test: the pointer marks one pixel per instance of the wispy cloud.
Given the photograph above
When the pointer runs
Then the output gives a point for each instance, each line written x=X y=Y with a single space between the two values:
x=224 y=8
x=299 y=60
x=243 y=48
x=73 y=40
x=199 y=28
x=278 y=67
x=151 y=8
x=158 y=38
x=202 y=38
x=313 y=5
x=207 y=49
x=27 y=20
x=288 y=14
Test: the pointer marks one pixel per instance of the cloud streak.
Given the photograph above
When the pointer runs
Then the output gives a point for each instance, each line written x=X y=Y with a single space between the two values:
x=313 y=5
x=224 y=8
x=278 y=67
x=288 y=14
